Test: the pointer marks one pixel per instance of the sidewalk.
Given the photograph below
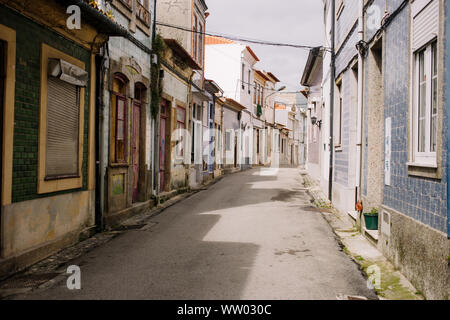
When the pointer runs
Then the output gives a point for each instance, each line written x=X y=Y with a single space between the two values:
x=389 y=283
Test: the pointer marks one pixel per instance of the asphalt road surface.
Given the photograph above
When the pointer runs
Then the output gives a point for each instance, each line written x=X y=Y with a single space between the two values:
x=249 y=236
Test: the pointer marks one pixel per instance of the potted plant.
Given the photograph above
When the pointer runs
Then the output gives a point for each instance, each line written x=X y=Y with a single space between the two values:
x=371 y=219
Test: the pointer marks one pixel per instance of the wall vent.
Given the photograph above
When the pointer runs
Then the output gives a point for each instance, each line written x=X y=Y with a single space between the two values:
x=386 y=223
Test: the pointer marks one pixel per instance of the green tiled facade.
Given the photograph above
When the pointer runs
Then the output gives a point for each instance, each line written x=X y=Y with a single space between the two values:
x=30 y=37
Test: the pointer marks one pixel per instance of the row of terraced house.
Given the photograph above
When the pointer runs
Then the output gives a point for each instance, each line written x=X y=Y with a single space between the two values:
x=387 y=131
x=107 y=112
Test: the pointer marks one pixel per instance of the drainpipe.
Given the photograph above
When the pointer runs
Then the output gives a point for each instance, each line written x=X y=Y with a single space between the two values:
x=156 y=128
x=360 y=103
x=101 y=172
x=332 y=78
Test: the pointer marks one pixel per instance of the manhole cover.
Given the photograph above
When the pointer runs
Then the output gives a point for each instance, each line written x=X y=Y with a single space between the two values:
x=27 y=281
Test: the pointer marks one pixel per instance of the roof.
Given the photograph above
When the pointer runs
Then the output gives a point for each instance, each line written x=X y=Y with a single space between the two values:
x=270 y=74
x=210 y=40
x=252 y=53
x=234 y=104
x=182 y=53
x=96 y=18
x=262 y=74
x=315 y=59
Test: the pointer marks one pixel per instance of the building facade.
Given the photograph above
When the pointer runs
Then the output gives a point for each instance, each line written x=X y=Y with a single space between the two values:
x=48 y=134
x=125 y=158
x=390 y=130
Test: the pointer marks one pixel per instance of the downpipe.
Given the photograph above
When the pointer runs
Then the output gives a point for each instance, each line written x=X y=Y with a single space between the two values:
x=359 y=128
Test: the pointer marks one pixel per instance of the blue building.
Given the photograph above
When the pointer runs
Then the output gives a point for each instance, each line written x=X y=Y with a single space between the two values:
x=391 y=130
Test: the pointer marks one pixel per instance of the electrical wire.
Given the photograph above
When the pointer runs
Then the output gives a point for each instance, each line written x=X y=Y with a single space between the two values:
x=238 y=38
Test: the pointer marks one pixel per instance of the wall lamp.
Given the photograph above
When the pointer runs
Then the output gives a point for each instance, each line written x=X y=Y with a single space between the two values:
x=316 y=122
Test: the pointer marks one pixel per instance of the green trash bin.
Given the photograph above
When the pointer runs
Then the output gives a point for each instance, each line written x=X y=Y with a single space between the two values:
x=371 y=221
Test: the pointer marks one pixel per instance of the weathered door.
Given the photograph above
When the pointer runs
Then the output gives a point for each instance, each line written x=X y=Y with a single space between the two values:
x=235 y=151
x=135 y=148
x=162 y=147
x=2 y=98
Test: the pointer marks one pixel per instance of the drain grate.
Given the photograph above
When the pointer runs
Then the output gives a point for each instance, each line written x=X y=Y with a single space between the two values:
x=130 y=227
x=315 y=209
x=27 y=281
x=349 y=297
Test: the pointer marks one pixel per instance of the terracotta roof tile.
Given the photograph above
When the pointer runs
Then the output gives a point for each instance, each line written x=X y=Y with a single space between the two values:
x=209 y=40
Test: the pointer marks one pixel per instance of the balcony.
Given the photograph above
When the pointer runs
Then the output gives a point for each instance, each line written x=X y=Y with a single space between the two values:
x=142 y=13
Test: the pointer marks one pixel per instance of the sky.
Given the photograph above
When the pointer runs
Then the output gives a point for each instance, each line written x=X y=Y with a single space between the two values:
x=282 y=21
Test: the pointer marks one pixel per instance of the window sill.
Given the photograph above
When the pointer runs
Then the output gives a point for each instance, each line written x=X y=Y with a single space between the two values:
x=421 y=165
x=338 y=149
x=119 y=165
x=75 y=176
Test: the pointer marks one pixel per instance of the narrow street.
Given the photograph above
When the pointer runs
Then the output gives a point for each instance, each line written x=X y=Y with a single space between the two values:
x=249 y=236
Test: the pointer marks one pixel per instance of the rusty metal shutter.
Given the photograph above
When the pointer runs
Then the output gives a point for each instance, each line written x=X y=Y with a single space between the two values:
x=425 y=22
x=63 y=113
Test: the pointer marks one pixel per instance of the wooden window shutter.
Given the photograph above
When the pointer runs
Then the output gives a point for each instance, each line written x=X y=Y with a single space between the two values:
x=63 y=113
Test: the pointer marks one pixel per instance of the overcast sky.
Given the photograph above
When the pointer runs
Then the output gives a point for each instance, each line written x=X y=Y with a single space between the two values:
x=285 y=21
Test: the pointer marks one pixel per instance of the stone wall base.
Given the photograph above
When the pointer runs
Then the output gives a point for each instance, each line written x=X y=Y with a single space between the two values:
x=418 y=251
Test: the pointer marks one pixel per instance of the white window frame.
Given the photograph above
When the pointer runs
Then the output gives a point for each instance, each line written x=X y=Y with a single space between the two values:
x=426 y=157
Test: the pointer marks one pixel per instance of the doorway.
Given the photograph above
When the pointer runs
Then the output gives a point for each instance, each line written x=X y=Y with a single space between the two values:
x=2 y=101
x=136 y=139
x=235 y=150
x=163 y=144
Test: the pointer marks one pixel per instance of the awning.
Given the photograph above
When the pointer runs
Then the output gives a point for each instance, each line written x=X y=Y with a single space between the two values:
x=67 y=72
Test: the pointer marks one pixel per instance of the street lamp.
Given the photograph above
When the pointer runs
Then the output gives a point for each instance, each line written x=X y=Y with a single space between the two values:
x=281 y=89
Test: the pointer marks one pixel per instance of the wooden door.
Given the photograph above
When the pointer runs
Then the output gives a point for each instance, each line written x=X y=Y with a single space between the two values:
x=2 y=99
x=162 y=147
x=135 y=148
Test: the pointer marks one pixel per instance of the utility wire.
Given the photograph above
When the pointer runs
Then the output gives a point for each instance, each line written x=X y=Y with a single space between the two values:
x=237 y=38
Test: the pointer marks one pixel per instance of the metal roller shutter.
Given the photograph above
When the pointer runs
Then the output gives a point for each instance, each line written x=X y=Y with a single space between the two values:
x=63 y=113
x=425 y=22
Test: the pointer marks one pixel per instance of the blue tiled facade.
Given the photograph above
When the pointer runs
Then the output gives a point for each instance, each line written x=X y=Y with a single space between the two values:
x=420 y=198
x=447 y=97
x=341 y=162
x=346 y=39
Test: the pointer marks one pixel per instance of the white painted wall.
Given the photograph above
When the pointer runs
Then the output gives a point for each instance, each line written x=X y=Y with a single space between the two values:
x=223 y=65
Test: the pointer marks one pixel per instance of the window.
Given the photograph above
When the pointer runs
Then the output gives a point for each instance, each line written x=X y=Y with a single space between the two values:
x=338 y=117
x=195 y=38
x=262 y=96
x=120 y=119
x=425 y=108
x=200 y=44
x=255 y=88
x=61 y=126
x=426 y=104
x=249 y=80
x=63 y=111
x=339 y=7
x=228 y=140
x=181 y=126
x=243 y=76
